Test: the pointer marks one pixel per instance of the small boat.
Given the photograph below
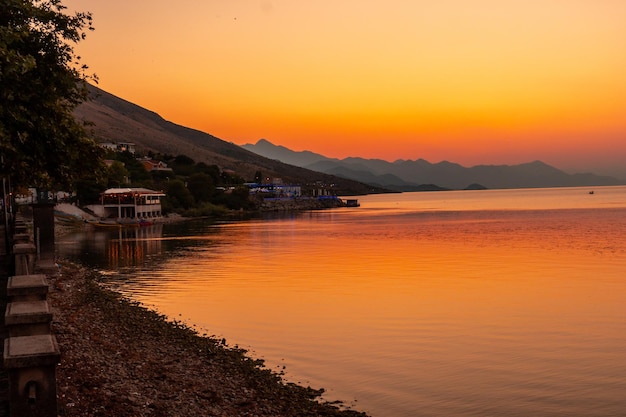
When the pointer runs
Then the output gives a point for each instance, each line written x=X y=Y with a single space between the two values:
x=127 y=222
x=104 y=223
x=591 y=192
x=120 y=222
x=352 y=203
x=67 y=217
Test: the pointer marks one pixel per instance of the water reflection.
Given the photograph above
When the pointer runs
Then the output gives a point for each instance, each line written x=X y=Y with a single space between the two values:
x=494 y=310
x=113 y=248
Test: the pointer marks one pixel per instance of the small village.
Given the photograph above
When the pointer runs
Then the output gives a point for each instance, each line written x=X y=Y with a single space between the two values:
x=203 y=194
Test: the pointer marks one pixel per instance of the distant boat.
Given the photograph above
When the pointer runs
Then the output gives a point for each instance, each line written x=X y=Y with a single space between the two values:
x=591 y=192
x=352 y=203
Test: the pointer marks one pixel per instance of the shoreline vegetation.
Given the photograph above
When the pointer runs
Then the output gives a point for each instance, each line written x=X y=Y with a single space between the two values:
x=120 y=358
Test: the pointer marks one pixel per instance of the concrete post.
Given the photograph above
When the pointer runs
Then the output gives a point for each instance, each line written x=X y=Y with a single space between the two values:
x=27 y=287
x=28 y=318
x=21 y=238
x=24 y=258
x=21 y=228
x=31 y=363
x=43 y=229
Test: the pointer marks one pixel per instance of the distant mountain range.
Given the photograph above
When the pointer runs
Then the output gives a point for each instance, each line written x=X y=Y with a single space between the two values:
x=119 y=121
x=407 y=175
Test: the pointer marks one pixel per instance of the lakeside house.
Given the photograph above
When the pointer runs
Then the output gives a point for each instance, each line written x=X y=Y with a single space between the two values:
x=154 y=165
x=129 y=203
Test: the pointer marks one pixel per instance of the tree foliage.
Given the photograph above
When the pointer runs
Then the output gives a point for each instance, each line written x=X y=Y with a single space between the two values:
x=117 y=174
x=136 y=171
x=183 y=165
x=88 y=190
x=211 y=170
x=238 y=198
x=201 y=186
x=41 y=83
x=178 y=195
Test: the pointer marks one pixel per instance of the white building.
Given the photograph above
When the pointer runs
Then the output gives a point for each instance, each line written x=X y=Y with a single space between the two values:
x=129 y=203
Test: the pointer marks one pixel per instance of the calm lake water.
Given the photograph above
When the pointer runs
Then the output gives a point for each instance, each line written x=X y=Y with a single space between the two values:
x=463 y=303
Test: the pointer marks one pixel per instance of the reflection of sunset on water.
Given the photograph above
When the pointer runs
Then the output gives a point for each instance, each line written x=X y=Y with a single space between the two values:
x=133 y=245
x=123 y=246
x=495 y=309
x=124 y=253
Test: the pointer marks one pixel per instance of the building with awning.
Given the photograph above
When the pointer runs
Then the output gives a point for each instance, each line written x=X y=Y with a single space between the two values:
x=129 y=203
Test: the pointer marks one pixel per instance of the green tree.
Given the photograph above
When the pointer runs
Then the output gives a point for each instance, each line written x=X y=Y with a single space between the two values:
x=228 y=178
x=136 y=171
x=238 y=198
x=201 y=187
x=41 y=83
x=183 y=165
x=117 y=174
x=88 y=190
x=183 y=160
x=178 y=195
x=160 y=178
x=212 y=170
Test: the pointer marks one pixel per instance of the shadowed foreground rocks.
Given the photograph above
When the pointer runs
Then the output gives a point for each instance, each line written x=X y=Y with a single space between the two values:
x=120 y=359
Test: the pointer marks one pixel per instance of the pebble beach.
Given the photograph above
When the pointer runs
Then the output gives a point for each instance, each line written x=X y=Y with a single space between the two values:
x=121 y=359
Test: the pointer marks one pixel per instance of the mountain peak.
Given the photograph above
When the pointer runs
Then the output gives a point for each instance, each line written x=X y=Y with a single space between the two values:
x=118 y=120
x=410 y=175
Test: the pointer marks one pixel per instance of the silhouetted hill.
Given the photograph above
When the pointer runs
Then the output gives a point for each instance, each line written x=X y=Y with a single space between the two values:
x=283 y=154
x=117 y=120
x=406 y=175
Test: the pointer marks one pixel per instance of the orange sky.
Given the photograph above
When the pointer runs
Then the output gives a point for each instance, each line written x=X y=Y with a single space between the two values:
x=481 y=81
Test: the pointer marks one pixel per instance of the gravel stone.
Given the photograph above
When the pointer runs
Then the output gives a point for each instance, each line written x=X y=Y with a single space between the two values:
x=121 y=359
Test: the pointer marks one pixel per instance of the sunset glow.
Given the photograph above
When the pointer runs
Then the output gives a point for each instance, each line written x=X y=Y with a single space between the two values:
x=474 y=82
x=499 y=300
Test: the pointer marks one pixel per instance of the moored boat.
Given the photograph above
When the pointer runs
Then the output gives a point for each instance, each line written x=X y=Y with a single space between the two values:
x=145 y=222
x=67 y=217
x=104 y=223
x=128 y=222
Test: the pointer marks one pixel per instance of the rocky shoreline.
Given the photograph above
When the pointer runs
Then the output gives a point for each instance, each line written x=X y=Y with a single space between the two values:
x=121 y=359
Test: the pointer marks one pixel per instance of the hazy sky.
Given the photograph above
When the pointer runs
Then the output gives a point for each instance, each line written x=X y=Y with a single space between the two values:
x=469 y=81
